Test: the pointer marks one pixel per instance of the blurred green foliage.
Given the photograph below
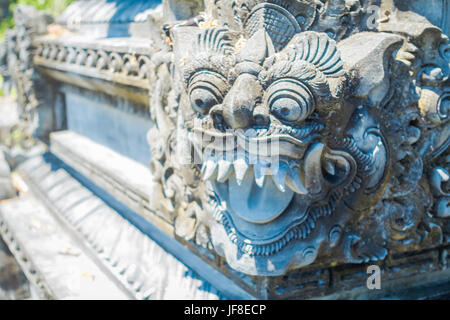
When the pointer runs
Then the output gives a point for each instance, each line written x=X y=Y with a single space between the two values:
x=52 y=7
x=1 y=91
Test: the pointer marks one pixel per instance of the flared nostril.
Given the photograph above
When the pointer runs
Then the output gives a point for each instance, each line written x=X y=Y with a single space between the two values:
x=241 y=100
x=216 y=114
x=261 y=116
x=238 y=118
x=261 y=120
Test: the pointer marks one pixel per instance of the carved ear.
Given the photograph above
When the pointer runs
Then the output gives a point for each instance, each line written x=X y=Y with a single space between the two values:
x=258 y=48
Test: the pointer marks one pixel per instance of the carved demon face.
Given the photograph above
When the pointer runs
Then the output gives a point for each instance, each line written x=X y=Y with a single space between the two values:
x=280 y=151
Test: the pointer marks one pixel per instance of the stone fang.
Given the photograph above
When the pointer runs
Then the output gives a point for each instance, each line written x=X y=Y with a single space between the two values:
x=279 y=172
x=209 y=168
x=260 y=170
x=294 y=181
x=225 y=170
x=240 y=168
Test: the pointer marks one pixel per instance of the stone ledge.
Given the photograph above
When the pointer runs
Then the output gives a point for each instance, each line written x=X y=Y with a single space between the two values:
x=89 y=73
x=119 y=239
x=130 y=183
x=122 y=177
x=52 y=261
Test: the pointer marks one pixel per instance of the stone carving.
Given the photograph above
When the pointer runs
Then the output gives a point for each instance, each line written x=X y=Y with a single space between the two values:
x=19 y=68
x=359 y=121
x=337 y=127
x=280 y=205
x=131 y=65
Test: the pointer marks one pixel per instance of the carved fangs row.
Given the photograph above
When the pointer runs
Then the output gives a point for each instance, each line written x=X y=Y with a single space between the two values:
x=296 y=132
x=299 y=133
x=128 y=64
x=299 y=232
x=284 y=173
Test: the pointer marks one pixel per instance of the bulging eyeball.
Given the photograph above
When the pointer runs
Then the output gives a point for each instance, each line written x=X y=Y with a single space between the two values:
x=205 y=91
x=202 y=100
x=290 y=100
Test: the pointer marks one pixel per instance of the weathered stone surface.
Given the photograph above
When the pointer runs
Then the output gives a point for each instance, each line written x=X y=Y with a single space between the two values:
x=6 y=189
x=371 y=54
x=141 y=267
x=336 y=113
x=56 y=264
x=13 y=283
x=343 y=105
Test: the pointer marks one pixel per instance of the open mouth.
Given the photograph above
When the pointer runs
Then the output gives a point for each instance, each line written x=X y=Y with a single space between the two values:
x=257 y=176
x=261 y=172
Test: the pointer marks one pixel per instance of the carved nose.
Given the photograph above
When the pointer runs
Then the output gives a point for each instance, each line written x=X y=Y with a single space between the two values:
x=240 y=102
x=238 y=116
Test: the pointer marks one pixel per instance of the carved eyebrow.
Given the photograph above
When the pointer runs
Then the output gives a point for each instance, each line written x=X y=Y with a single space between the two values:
x=204 y=62
x=212 y=51
x=300 y=70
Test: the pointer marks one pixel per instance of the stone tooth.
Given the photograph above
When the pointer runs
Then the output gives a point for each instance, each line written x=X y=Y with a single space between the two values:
x=240 y=169
x=260 y=169
x=250 y=133
x=209 y=168
x=308 y=229
x=302 y=232
x=272 y=248
x=313 y=168
x=294 y=181
x=279 y=172
x=225 y=170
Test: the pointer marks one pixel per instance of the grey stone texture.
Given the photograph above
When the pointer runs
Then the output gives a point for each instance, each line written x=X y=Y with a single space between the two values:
x=337 y=114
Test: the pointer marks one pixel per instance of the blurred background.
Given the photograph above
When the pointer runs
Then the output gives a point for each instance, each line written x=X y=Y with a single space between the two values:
x=13 y=283
x=52 y=7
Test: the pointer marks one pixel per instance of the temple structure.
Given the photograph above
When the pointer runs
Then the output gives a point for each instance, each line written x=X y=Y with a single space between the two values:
x=196 y=149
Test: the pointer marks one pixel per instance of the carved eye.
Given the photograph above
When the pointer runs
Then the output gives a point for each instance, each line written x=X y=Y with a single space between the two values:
x=290 y=100
x=203 y=99
x=206 y=91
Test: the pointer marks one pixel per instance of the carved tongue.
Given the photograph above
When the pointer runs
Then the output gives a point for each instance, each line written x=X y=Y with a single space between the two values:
x=255 y=204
